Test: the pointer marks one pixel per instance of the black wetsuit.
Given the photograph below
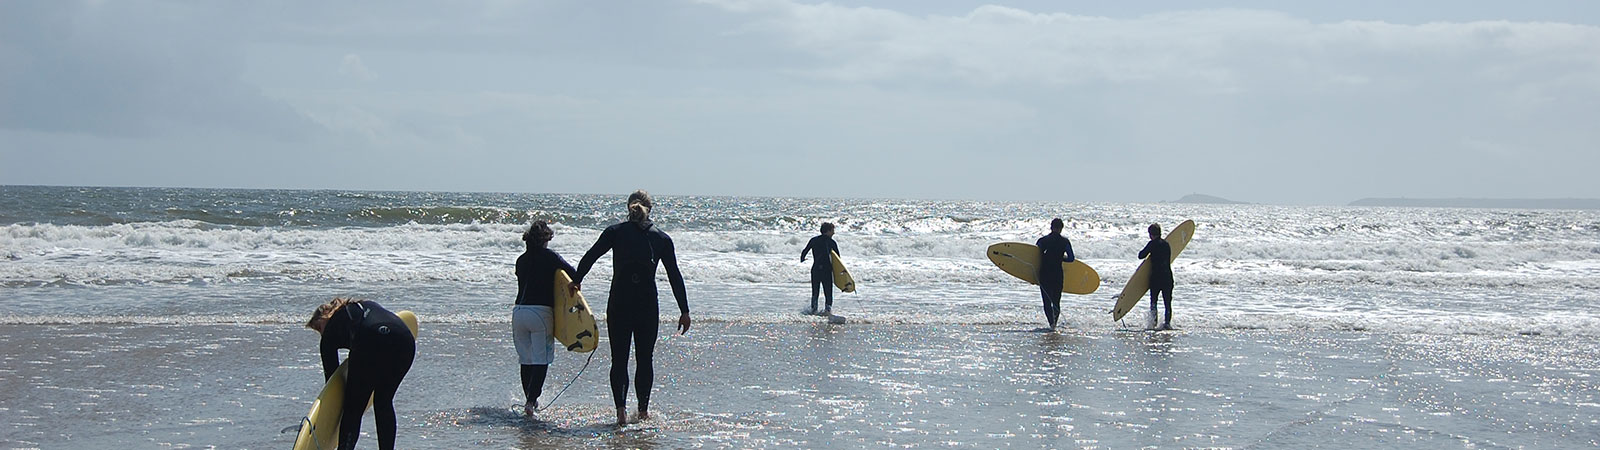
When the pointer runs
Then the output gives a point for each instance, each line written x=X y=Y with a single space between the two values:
x=381 y=349
x=1160 y=257
x=632 y=312
x=821 y=267
x=536 y=278
x=1054 y=249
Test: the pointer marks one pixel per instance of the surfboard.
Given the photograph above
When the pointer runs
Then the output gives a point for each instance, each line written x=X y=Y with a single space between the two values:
x=575 y=327
x=1137 y=286
x=841 y=276
x=319 y=429
x=1022 y=261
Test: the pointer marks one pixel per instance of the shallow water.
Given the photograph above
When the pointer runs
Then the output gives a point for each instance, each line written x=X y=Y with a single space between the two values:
x=729 y=385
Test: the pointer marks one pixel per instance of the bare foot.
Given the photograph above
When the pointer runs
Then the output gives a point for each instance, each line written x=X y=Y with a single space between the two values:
x=644 y=415
x=622 y=418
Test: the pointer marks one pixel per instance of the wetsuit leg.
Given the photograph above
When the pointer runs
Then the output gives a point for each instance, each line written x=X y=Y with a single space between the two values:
x=816 y=289
x=1052 y=303
x=360 y=380
x=828 y=288
x=533 y=380
x=396 y=363
x=644 y=345
x=620 y=332
x=1167 y=298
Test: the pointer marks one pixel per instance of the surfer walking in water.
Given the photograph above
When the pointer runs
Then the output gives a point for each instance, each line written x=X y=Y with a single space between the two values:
x=821 y=267
x=533 y=317
x=633 y=313
x=1054 y=249
x=381 y=350
x=1159 y=253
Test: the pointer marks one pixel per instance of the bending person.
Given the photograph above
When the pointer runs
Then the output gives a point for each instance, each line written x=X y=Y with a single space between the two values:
x=381 y=349
x=821 y=267
x=1054 y=249
x=632 y=313
x=533 y=318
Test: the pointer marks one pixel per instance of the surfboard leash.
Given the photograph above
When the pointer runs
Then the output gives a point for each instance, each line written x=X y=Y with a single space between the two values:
x=569 y=383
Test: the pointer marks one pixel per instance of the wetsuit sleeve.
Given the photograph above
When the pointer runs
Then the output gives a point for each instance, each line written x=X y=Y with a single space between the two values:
x=561 y=263
x=601 y=246
x=1069 y=255
x=835 y=245
x=335 y=335
x=670 y=261
x=807 y=249
x=1147 y=249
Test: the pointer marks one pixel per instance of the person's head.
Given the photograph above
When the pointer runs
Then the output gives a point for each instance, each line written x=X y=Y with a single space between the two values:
x=1155 y=231
x=320 y=316
x=1056 y=225
x=639 y=205
x=827 y=228
x=538 y=234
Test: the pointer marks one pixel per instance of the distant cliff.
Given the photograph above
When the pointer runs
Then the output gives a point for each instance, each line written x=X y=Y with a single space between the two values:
x=1207 y=199
x=1500 y=203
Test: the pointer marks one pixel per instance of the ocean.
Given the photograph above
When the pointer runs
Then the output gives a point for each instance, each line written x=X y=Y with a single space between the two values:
x=173 y=318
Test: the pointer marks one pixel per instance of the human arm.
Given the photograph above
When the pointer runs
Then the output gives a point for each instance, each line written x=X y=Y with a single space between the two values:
x=670 y=261
x=335 y=335
x=807 y=250
x=1069 y=256
x=1147 y=249
x=600 y=247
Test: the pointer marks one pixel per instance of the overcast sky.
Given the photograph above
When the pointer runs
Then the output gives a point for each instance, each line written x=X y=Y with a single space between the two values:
x=1314 y=102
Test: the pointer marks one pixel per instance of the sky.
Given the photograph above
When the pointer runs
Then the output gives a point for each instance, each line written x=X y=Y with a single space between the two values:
x=1286 y=102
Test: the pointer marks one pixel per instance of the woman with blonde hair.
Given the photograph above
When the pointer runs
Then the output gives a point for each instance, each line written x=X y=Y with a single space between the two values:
x=381 y=350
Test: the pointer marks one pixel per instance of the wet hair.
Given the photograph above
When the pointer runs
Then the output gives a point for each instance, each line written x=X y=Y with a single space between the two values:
x=1155 y=229
x=1055 y=224
x=325 y=311
x=826 y=227
x=538 y=233
x=639 y=205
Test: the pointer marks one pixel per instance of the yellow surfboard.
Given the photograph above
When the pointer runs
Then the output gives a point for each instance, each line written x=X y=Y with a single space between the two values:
x=575 y=327
x=1022 y=261
x=319 y=429
x=1140 y=283
x=841 y=277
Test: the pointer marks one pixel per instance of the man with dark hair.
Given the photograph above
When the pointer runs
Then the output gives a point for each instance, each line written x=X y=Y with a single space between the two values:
x=1054 y=249
x=822 y=267
x=1160 y=254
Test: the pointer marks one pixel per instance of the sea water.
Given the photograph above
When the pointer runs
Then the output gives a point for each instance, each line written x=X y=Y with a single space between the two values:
x=173 y=318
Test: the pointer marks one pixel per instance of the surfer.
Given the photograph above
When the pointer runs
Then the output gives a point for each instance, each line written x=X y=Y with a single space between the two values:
x=381 y=349
x=632 y=313
x=822 y=267
x=1160 y=254
x=1054 y=249
x=533 y=318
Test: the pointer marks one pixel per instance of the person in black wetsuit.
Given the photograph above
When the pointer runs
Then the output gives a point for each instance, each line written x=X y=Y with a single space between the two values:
x=533 y=318
x=1160 y=254
x=1054 y=249
x=632 y=313
x=821 y=267
x=381 y=349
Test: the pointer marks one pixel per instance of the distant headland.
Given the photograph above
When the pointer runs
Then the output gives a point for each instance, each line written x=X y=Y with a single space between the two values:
x=1500 y=203
x=1207 y=200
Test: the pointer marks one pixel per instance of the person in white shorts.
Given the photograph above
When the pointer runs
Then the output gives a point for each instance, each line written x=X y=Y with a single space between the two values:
x=533 y=319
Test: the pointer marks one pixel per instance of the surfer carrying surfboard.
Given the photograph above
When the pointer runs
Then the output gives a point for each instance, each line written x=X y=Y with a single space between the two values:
x=381 y=350
x=633 y=313
x=1160 y=257
x=1054 y=249
x=533 y=318
x=821 y=267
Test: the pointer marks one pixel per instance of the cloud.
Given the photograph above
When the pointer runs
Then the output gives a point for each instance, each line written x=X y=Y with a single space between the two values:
x=129 y=69
x=351 y=66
